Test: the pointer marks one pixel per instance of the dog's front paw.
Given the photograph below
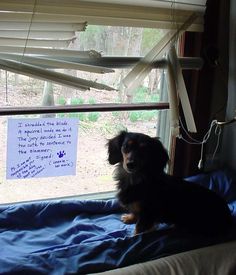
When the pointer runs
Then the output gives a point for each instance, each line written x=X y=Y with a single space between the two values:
x=144 y=227
x=128 y=218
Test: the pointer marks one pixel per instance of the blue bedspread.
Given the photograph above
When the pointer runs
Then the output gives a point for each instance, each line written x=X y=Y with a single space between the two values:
x=81 y=237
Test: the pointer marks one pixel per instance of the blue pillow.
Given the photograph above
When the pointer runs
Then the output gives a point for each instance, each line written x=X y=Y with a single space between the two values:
x=222 y=182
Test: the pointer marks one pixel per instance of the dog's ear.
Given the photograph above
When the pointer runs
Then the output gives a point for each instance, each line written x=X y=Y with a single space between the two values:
x=114 y=148
x=160 y=155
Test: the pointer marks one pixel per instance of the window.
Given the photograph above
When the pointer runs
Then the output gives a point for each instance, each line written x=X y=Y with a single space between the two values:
x=97 y=56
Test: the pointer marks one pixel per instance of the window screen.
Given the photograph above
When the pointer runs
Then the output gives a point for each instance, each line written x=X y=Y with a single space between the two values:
x=112 y=111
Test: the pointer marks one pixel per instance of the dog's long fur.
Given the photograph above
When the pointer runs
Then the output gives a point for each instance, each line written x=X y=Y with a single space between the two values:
x=152 y=196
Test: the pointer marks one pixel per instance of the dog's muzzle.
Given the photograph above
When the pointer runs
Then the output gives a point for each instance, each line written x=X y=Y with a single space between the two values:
x=129 y=166
x=128 y=162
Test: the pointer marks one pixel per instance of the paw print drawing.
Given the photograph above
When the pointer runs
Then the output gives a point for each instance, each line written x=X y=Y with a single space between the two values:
x=61 y=154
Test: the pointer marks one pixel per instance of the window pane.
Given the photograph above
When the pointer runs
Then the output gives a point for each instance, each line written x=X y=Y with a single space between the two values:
x=24 y=91
x=93 y=172
x=19 y=90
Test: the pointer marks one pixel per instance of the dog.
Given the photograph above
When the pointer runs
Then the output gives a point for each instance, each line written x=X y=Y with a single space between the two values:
x=152 y=196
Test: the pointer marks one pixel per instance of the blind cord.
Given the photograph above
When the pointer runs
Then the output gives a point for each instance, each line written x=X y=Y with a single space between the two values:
x=28 y=33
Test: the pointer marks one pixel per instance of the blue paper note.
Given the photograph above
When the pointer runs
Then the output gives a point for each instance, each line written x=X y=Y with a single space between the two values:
x=41 y=147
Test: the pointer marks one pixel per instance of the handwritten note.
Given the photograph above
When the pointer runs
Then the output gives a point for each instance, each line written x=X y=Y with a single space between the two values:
x=41 y=147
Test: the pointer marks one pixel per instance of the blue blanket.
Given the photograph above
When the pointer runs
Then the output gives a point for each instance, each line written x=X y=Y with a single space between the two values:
x=81 y=237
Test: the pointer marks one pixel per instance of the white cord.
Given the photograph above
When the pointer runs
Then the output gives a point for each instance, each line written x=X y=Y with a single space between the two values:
x=218 y=134
x=189 y=142
x=188 y=135
x=204 y=140
x=195 y=141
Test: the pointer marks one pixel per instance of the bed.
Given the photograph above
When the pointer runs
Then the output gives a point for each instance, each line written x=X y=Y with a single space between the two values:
x=212 y=260
x=87 y=236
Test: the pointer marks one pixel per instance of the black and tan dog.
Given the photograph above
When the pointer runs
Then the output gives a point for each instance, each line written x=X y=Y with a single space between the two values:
x=152 y=196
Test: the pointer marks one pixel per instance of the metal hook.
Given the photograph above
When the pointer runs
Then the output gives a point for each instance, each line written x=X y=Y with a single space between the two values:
x=222 y=123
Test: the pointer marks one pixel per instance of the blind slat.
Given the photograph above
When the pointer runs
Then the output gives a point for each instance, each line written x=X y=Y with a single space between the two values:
x=120 y=12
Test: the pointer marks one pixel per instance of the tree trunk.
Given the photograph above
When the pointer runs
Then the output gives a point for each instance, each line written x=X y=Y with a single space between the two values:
x=134 y=49
x=153 y=81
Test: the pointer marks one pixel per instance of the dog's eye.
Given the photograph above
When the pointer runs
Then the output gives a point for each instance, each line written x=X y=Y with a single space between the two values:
x=125 y=147
x=130 y=142
x=142 y=145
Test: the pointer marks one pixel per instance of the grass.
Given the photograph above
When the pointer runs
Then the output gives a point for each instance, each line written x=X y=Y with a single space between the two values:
x=92 y=117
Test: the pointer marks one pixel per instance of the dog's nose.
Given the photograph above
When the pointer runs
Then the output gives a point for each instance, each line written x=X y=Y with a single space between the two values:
x=130 y=165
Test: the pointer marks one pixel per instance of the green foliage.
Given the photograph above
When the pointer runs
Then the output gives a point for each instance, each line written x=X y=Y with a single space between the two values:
x=141 y=95
x=61 y=101
x=155 y=98
x=93 y=116
x=81 y=116
x=77 y=101
x=142 y=115
x=92 y=100
x=149 y=115
x=116 y=114
x=134 y=116
x=61 y=115
x=93 y=30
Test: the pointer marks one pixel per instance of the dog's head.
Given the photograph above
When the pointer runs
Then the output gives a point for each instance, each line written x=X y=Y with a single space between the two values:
x=137 y=152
